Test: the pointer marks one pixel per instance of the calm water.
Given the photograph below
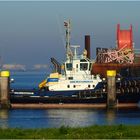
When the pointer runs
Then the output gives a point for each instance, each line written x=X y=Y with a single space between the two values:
x=35 y=118
x=31 y=118
x=27 y=80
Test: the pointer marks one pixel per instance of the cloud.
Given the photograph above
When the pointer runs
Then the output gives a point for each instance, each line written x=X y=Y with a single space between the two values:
x=14 y=67
x=40 y=66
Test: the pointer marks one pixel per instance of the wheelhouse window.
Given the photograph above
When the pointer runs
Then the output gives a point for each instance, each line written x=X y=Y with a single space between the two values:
x=83 y=66
x=76 y=65
x=83 y=60
x=69 y=66
x=70 y=78
x=90 y=66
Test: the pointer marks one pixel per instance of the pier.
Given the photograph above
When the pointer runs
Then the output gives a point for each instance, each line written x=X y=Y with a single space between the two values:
x=69 y=106
x=111 y=97
x=111 y=89
x=4 y=89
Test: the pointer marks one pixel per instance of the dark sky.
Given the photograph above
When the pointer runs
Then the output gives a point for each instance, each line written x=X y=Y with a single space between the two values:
x=32 y=32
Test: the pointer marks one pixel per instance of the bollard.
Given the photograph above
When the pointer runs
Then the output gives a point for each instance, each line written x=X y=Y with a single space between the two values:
x=111 y=89
x=4 y=89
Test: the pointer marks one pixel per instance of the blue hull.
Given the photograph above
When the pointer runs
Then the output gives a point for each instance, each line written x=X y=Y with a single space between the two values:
x=45 y=92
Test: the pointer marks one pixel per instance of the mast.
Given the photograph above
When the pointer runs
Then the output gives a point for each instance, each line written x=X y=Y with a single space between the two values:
x=68 y=51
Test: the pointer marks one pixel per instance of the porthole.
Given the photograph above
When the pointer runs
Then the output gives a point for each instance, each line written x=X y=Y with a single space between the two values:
x=68 y=86
x=93 y=86
x=88 y=86
x=74 y=86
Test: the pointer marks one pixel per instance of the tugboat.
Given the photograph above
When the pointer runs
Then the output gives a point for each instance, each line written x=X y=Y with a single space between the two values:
x=76 y=76
x=78 y=81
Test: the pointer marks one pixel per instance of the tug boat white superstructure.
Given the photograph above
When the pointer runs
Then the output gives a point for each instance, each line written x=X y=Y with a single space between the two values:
x=76 y=75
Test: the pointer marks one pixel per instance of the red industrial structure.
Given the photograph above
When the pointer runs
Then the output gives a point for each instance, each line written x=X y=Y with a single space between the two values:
x=124 y=51
x=124 y=38
x=117 y=58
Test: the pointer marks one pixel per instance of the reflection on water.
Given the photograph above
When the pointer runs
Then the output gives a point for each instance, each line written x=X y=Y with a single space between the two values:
x=111 y=114
x=31 y=118
x=3 y=118
x=72 y=117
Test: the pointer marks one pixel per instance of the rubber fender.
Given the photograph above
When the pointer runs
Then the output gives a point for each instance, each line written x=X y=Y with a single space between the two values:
x=122 y=90
x=131 y=90
x=134 y=82
x=127 y=90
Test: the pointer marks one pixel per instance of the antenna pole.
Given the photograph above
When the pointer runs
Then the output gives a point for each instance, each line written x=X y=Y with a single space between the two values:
x=67 y=26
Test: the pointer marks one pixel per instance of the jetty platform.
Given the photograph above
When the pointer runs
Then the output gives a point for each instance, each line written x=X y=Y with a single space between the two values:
x=68 y=106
